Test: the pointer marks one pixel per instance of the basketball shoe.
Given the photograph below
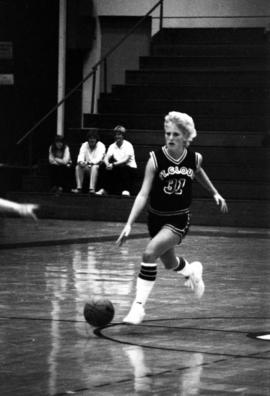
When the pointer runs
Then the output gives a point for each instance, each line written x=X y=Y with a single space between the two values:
x=135 y=315
x=194 y=280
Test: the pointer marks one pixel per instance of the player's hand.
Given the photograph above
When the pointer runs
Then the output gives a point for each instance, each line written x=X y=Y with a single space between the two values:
x=220 y=201
x=28 y=210
x=109 y=167
x=124 y=235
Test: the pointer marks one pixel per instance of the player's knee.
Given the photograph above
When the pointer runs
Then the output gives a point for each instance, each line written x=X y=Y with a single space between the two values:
x=149 y=256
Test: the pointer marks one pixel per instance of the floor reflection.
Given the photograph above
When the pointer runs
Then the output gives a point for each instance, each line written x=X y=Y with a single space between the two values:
x=87 y=273
x=188 y=378
x=143 y=380
x=49 y=349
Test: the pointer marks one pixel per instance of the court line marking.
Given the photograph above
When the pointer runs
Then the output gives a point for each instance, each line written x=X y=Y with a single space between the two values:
x=149 y=375
x=15 y=317
x=71 y=241
x=113 y=237
x=110 y=238
x=226 y=357
x=257 y=335
x=98 y=332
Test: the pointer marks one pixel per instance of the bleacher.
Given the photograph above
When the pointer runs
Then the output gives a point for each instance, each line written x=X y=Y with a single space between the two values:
x=218 y=76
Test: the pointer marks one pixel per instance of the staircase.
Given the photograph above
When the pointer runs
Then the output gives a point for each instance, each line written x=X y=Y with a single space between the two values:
x=221 y=77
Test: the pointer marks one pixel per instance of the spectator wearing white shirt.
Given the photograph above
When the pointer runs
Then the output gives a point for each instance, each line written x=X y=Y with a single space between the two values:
x=120 y=166
x=90 y=157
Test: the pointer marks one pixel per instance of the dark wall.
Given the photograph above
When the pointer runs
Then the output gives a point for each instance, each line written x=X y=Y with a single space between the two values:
x=32 y=27
x=81 y=30
x=126 y=56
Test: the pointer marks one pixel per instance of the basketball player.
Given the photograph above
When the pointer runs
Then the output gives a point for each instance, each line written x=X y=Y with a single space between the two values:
x=25 y=210
x=167 y=183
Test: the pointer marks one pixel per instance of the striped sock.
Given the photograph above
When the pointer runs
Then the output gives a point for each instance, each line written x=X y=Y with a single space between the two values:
x=145 y=282
x=182 y=266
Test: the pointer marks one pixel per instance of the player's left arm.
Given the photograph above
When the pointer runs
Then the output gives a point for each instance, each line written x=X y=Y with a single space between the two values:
x=202 y=177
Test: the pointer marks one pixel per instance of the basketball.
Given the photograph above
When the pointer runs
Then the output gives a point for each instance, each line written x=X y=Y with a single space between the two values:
x=98 y=312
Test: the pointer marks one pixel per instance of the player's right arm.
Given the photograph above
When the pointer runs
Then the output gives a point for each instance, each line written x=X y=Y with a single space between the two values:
x=140 y=200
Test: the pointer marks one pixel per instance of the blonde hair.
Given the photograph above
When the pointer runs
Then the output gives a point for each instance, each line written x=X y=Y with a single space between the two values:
x=184 y=123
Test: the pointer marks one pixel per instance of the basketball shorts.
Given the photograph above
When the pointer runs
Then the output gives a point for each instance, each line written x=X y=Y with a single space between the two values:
x=178 y=224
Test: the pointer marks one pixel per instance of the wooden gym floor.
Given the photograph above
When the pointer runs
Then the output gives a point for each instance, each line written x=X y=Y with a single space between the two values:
x=183 y=347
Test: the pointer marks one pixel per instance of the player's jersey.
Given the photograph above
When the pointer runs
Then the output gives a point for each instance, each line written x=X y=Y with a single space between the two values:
x=171 y=193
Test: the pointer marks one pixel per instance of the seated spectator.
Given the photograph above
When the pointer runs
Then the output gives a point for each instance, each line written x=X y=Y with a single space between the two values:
x=90 y=157
x=119 y=167
x=59 y=164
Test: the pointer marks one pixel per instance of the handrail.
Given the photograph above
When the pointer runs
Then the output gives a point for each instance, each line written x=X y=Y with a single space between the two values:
x=94 y=68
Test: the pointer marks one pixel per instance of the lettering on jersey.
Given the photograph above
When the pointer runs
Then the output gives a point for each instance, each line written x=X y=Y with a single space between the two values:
x=176 y=170
x=175 y=186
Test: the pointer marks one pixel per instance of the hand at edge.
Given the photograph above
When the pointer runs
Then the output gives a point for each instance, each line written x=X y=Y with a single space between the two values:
x=124 y=235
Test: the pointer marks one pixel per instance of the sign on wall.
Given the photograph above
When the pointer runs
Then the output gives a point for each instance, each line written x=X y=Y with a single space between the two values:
x=6 y=51
x=7 y=79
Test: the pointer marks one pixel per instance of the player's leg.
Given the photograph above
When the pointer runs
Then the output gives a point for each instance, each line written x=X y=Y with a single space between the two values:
x=169 y=259
x=179 y=225
x=192 y=272
x=162 y=242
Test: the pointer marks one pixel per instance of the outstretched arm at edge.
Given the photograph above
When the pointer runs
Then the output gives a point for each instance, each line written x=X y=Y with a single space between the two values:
x=20 y=209
x=139 y=202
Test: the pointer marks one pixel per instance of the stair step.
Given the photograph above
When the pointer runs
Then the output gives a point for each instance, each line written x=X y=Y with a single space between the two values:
x=155 y=121
x=231 y=189
x=236 y=190
x=205 y=212
x=232 y=36
x=217 y=62
x=144 y=142
x=156 y=137
x=225 y=172
x=181 y=91
x=197 y=77
x=221 y=78
x=157 y=106
x=193 y=49
x=247 y=156
x=38 y=183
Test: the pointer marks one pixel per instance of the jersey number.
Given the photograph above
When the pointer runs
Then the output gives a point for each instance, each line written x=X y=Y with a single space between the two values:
x=175 y=186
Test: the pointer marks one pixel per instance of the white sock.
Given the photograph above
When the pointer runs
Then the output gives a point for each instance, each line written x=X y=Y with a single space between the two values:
x=145 y=282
